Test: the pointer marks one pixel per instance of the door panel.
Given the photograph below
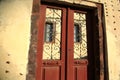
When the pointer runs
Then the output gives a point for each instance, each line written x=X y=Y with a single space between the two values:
x=51 y=48
x=77 y=46
x=51 y=73
x=80 y=72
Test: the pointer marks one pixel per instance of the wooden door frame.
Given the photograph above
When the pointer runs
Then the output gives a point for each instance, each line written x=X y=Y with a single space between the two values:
x=101 y=63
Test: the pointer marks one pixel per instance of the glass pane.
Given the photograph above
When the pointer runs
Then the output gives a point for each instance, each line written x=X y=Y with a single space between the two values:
x=77 y=33
x=49 y=32
x=51 y=47
x=80 y=36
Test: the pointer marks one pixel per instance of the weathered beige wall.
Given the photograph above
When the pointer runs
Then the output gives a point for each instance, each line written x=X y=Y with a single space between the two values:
x=112 y=13
x=14 y=38
x=112 y=19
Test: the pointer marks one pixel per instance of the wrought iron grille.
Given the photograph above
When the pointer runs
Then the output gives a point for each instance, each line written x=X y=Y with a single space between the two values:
x=52 y=36
x=80 y=36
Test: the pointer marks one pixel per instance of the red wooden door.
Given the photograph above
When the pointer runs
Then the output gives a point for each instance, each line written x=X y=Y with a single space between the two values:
x=76 y=45
x=62 y=44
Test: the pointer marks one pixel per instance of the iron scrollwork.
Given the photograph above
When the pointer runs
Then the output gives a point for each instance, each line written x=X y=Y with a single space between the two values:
x=51 y=49
x=80 y=46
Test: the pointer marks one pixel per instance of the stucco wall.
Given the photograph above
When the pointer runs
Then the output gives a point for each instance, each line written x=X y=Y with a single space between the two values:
x=15 y=37
x=112 y=19
x=112 y=11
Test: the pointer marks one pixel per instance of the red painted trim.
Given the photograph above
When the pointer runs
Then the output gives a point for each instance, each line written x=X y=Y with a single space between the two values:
x=63 y=44
x=70 y=44
x=40 y=43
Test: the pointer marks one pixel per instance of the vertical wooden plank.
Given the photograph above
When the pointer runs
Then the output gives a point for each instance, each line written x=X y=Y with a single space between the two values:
x=70 y=36
x=75 y=73
x=101 y=42
x=63 y=44
x=40 y=43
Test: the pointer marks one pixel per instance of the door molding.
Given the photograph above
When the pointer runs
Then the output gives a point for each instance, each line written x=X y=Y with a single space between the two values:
x=100 y=36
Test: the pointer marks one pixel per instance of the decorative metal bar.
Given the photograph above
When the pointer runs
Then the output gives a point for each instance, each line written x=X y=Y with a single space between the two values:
x=52 y=36
x=80 y=36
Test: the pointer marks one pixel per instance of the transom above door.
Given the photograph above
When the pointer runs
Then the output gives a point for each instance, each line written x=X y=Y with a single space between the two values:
x=63 y=39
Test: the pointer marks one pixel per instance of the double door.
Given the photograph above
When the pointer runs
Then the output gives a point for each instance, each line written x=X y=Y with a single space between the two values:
x=63 y=51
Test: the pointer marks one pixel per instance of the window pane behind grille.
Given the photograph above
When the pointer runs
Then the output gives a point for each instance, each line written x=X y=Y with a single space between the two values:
x=76 y=33
x=49 y=32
